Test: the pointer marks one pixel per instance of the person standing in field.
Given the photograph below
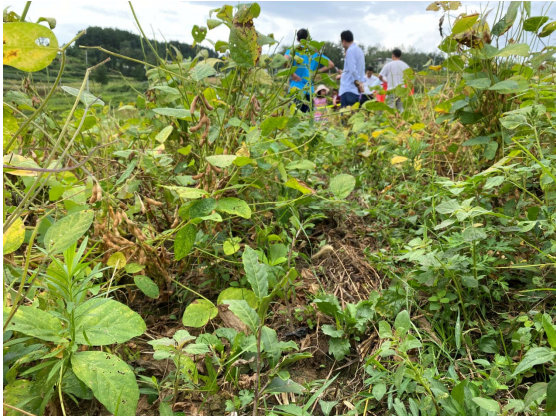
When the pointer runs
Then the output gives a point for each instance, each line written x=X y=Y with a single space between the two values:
x=392 y=73
x=370 y=81
x=353 y=75
x=305 y=63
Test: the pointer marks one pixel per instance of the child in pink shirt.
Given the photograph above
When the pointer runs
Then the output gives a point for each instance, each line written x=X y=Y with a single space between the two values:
x=320 y=102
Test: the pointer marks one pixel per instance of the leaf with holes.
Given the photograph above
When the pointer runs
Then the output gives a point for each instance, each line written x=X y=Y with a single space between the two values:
x=147 y=286
x=198 y=313
x=106 y=321
x=63 y=233
x=13 y=237
x=234 y=206
x=111 y=380
x=29 y=47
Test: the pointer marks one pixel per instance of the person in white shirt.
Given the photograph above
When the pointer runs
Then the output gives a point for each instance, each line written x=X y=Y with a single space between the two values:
x=370 y=81
x=392 y=73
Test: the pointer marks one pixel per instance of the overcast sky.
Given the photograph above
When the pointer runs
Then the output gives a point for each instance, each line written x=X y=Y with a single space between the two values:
x=391 y=24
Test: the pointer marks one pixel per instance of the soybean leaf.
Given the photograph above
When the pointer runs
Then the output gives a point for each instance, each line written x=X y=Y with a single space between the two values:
x=185 y=239
x=63 y=233
x=111 y=380
x=198 y=313
x=106 y=321
x=29 y=47
x=187 y=193
x=234 y=206
x=236 y=293
x=13 y=237
x=147 y=286
x=342 y=185
x=487 y=404
x=221 y=161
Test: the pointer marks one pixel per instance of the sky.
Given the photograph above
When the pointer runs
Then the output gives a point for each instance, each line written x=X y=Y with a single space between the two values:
x=390 y=23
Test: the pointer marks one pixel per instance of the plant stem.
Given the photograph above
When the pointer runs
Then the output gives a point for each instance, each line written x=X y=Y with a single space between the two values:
x=25 y=10
x=258 y=384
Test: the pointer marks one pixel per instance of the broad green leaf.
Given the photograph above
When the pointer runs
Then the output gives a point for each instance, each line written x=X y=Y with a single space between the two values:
x=379 y=390
x=187 y=193
x=338 y=347
x=402 y=323
x=480 y=84
x=303 y=164
x=331 y=331
x=133 y=267
x=271 y=123
x=373 y=105
x=477 y=140
x=490 y=151
x=147 y=286
x=464 y=23
x=533 y=24
x=513 y=121
x=29 y=47
x=551 y=395
x=473 y=234
x=327 y=407
x=245 y=313
x=342 y=185
x=164 y=134
x=63 y=233
x=197 y=349
x=519 y=49
x=198 y=33
x=111 y=380
x=277 y=385
x=198 y=313
x=106 y=321
x=244 y=48
x=202 y=71
x=36 y=323
x=509 y=86
x=234 y=206
x=221 y=161
x=536 y=392
x=202 y=208
x=22 y=394
x=231 y=246
x=213 y=23
x=10 y=126
x=548 y=29
x=384 y=330
x=14 y=236
x=298 y=185
x=454 y=63
x=535 y=356
x=487 y=404
x=549 y=330
x=165 y=410
x=117 y=260
x=256 y=273
x=172 y=112
x=86 y=98
x=236 y=293
x=185 y=239
x=494 y=181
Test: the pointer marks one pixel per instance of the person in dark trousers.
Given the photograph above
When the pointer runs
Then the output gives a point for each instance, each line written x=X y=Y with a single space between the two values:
x=353 y=75
x=301 y=78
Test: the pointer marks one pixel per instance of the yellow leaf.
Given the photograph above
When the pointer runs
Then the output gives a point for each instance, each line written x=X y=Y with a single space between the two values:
x=417 y=164
x=299 y=185
x=398 y=159
x=13 y=238
x=377 y=133
x=20 y=161
x=243 y=151
x=418 y=126
x=435 y=67
x=117 y=260
x=363 y=136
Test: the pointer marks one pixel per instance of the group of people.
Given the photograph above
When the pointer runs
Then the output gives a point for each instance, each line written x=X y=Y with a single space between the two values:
x=357 y=84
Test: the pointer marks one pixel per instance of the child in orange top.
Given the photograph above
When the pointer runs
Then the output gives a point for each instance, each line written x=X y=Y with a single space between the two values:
x=320 y=102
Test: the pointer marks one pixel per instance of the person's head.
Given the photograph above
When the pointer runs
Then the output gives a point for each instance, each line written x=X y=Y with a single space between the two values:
x=321 y=91
x=347 y=38
x=334 y=91
x=396 y=54
x=302 y=34
x=370 y=71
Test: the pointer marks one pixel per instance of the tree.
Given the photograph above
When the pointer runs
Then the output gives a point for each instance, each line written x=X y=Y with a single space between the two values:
x=100 y=75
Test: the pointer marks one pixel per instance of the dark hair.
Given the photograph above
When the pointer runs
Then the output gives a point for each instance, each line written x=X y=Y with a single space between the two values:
x=370 y=68
x=302 y=34
x=397 y=53
x=347 y=36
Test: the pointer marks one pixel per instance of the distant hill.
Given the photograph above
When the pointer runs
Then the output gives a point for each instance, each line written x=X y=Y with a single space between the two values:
x=115 y=40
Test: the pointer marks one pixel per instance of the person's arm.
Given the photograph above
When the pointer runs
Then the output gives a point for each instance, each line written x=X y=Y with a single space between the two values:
x=325 y=68
x=383 y=74
x=294 y=76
